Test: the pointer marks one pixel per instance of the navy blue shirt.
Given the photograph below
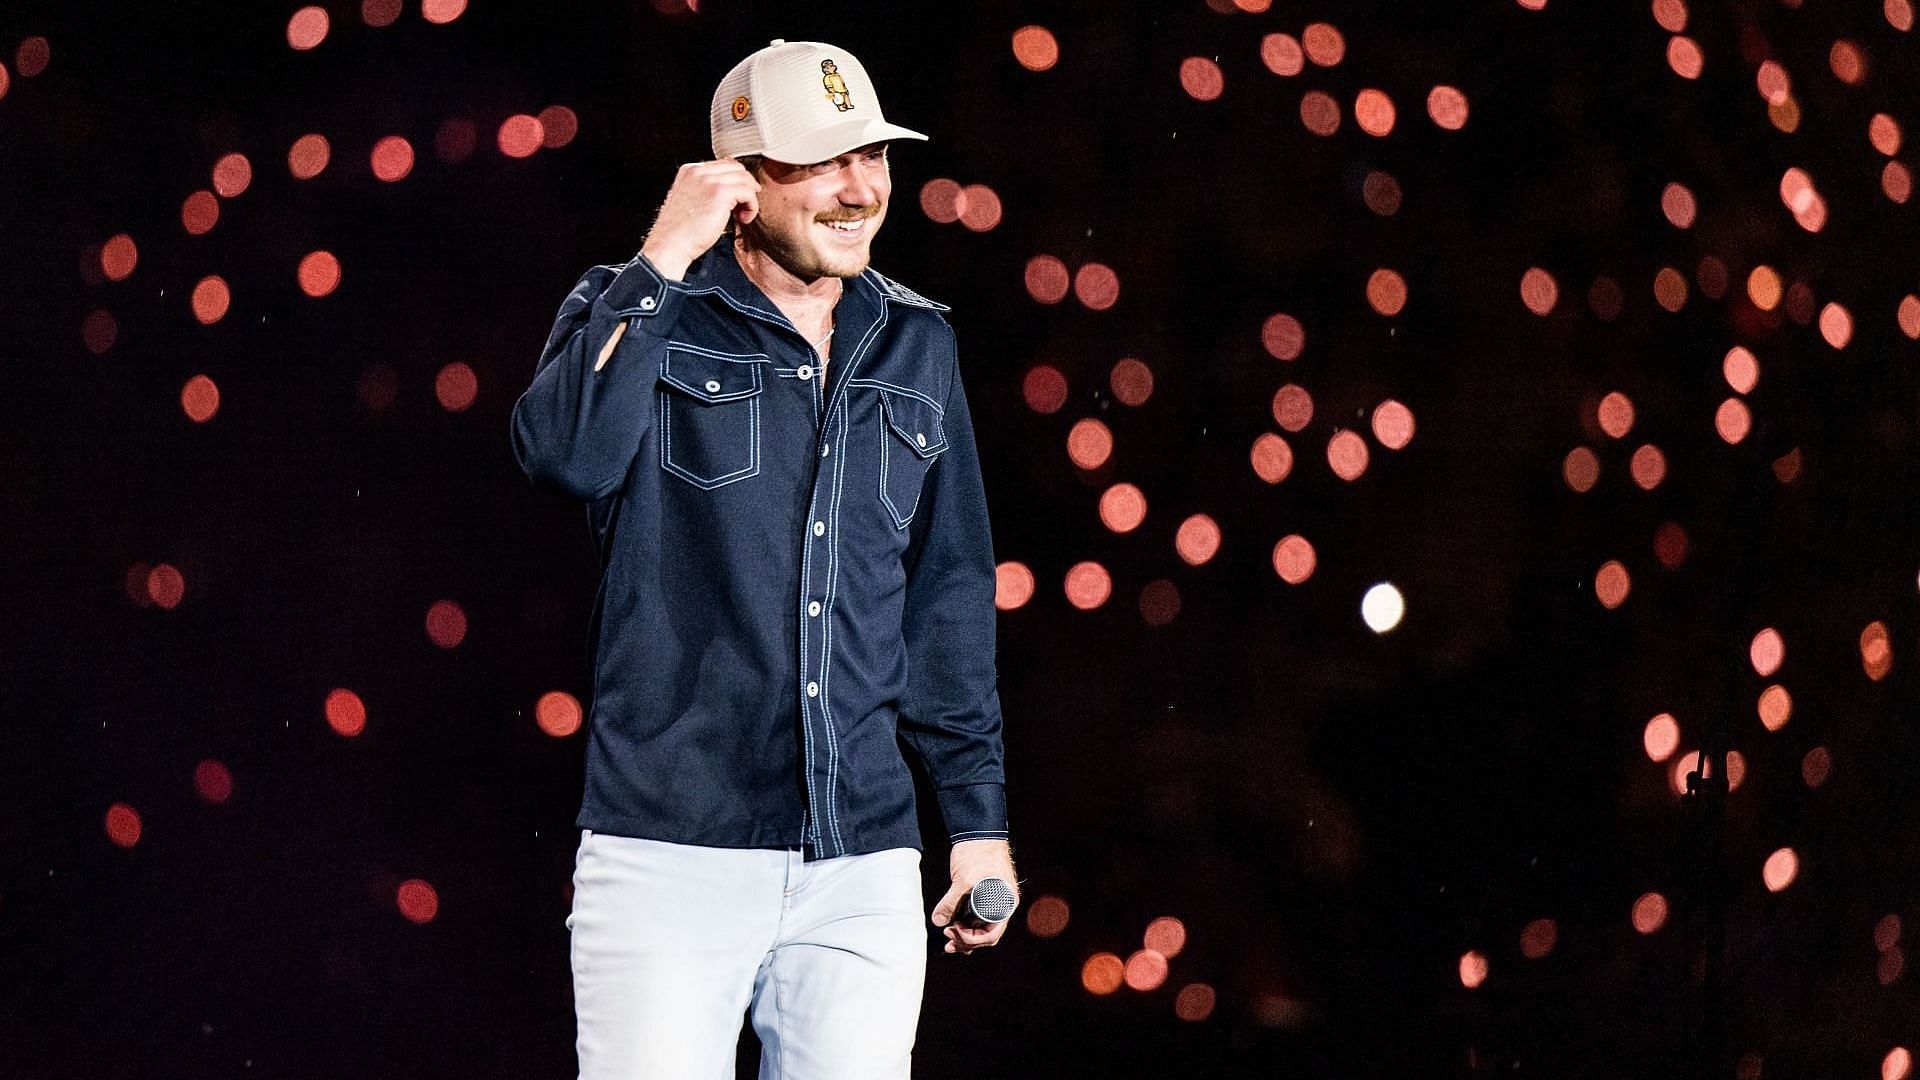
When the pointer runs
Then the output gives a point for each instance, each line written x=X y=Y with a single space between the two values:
x=796 y=574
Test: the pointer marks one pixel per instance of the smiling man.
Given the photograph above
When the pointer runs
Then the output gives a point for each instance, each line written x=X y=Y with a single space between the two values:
x=796 y=586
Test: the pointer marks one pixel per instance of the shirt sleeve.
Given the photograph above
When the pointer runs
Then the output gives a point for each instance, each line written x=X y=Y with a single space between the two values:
x=950 y=714
x=578 y=426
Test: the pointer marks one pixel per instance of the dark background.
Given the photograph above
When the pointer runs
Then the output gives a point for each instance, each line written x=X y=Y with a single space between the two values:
x=1336 y=815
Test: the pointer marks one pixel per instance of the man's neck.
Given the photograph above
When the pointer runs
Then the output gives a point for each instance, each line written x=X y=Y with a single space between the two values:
x=807 y=304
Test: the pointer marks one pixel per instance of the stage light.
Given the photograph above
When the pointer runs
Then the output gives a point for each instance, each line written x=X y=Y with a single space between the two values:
x=1649 y=912
x=1347 y=455
x=558 y=713
x=1035 y=48
x=1197 y=540
x=1324 y=44
x=1661 y=737
x=980 y=208
x=308 y=156
x=1166 y=935
x=1012 y=585
x=1294 y=559
x=1282 y=54
x=118 y=256
x=1159 y=602
x=1473 y=964
x=1047 y=279
x=1292 y=407
x=417 y=900
x=200 y=399
x=1194 y=1003
x=1088 y=586
x=1382 y=608
x=1781 y=868
x=1103 y=973
x=1272 y=458
x=199 y=213
x=1146 y=970
x=1044 y=389
x=307 y=28
x=346 y=714
x=1581 y=469
x=1089 y=443
x=1611 y=584
x=1649 y=467
x=1122 y=508
x=1775 y=707
x=1131 y=382
x=1283 y=337
x=1387 y=291
x=1539 y=291
x=446 y=624
x=1047 y=917
x=1615 y=414
x=455 y=386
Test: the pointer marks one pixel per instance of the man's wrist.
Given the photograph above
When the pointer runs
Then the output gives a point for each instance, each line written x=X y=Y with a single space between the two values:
x=668 y=263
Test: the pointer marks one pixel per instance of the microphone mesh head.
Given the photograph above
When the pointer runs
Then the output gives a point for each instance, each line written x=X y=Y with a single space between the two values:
x=993 y=899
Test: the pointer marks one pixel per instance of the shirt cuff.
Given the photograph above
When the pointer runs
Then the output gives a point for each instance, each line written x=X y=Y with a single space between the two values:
x=974 y=812
x=639 y=293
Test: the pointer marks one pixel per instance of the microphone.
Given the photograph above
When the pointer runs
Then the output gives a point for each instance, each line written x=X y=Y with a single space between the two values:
x=990 y=901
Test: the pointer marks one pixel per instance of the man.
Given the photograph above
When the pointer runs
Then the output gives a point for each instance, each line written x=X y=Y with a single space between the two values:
x=796 y=579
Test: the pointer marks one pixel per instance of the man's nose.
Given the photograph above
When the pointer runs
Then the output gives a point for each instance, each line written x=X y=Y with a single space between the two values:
x=859 y=189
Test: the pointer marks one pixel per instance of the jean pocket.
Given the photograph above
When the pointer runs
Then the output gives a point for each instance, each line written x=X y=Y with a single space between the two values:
x=912 y=435
x=710 y=415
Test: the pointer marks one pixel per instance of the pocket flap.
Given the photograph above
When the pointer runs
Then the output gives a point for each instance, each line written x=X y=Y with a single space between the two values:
x=709 y=376
x=916 y=421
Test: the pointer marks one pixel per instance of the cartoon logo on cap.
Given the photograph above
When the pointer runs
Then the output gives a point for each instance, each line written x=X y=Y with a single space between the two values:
x=741 y=107
x=836 y=85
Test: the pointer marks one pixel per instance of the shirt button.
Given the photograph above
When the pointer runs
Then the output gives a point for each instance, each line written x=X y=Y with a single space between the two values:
x=805 y=372
x=825 y=449
x=813 y=608
x=813 y=689
x=922 y=437
x=646 y=303
x=819 y=528
x=713 y=386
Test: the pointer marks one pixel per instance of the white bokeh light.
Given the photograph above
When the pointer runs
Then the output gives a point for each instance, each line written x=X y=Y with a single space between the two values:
x=1382 y=607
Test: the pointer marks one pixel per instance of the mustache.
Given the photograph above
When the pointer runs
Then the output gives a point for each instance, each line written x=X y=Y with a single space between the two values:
x=861 y=214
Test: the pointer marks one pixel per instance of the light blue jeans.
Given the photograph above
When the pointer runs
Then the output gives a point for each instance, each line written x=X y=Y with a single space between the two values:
x=673 y=944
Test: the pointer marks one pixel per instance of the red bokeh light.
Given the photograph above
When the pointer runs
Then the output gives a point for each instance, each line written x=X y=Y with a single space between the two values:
x=446 y=624
x=392 y=158
x=1347 y=455
x=166 y=587
x=1201 y=78
x=1294 y=559
x=558 y=126
x=455 y=387
x=319 y=273
x=1324 y=44
x=1649 y=912
x=1146 y=970
x=1649 y=467
x=199 y=213
x=1088 y=585
x=1197 y=540
x=118 y=256
x=123 y=825
x=1782 y=867
x=1194 y=1003
x=1539 y=291
x=1538 y=938
x=346 y=713
x=1166 y=935
x=980 y=208
x=1131 y=382
x=558 y=713
x=1373 y=111
x=520 y=135
x=1387 y=292
x=213 y=782
x=1122 y=508
x=307 y=28
x=200 y=399
x=1047 y=917
x=1159 y=602
x=1089 y=443
x=1035 y=48
x=1473 y=969
x=1448 y=107
x=417 y=900
x=1012 y=585
x=231 y=175
x=1272 y=458
x=942 y=202
x=1097 y=286
x=1283 y=337
x=1775 y=707
x=1045 y=389
x=308 y=156
x=1292 y=407
x=1103 y=973
x=1393 y=424
x=1282 y=54
x=442 y=11
x=1767 y=652
x=1611 y=584
x=1047 y=279
x=1661 y=737
x=1615 y=414
x=1581 y=469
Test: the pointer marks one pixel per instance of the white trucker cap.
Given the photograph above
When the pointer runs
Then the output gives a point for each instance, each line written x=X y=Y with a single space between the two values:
x=798 y=102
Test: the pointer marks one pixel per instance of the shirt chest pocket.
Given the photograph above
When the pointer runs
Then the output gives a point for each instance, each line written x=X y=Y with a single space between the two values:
x=912 y=436
x=709 y=415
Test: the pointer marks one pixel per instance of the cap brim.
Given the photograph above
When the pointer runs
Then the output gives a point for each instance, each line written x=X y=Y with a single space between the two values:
x=831 y=142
